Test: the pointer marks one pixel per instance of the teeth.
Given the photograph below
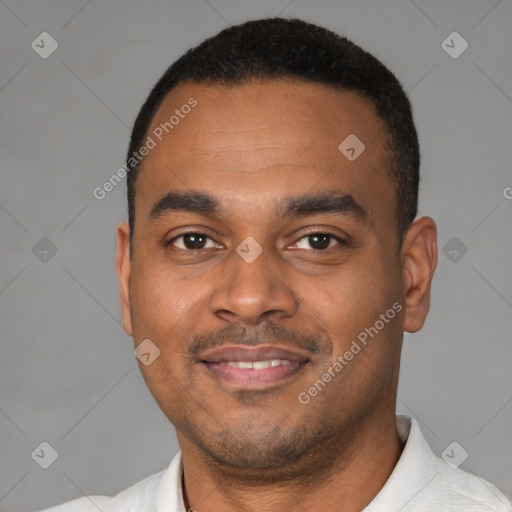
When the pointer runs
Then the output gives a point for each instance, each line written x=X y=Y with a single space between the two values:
x=259 y=365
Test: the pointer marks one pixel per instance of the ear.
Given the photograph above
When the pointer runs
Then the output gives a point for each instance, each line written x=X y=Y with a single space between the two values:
x=123 y=269
x=419 y=260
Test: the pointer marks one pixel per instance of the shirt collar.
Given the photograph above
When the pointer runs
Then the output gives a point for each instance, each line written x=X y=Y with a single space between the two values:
x=170 y=495
x=415 y=469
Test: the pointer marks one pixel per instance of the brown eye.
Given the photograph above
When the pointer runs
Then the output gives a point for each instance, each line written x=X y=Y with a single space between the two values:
x=318 y=241
x=191 y=241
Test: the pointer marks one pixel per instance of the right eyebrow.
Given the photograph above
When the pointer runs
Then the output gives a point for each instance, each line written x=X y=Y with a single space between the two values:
x=195 y=202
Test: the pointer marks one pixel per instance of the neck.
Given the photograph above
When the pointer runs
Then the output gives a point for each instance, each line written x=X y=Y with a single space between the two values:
x=342 y=477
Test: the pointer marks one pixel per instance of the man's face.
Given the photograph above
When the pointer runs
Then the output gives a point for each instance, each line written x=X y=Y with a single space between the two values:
x=267 y=155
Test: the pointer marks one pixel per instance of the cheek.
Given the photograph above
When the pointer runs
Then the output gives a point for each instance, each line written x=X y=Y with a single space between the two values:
x=163 y=309
x=161 y=300
x=167 y=309
x=350 y=299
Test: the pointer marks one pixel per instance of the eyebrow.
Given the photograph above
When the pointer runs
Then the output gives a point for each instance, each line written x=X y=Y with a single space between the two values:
x=195 y=202
x=327 y=202
x=332 y=201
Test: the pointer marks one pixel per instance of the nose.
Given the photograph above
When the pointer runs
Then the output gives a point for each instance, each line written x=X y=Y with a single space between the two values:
x=252 y=292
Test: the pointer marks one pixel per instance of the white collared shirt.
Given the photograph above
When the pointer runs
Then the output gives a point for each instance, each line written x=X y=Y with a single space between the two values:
x=420 y=482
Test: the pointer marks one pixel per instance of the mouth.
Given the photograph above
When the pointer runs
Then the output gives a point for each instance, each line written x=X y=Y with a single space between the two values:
x=255 y=367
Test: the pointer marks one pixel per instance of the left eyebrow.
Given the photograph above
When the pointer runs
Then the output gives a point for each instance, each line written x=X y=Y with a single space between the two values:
x=327 y=202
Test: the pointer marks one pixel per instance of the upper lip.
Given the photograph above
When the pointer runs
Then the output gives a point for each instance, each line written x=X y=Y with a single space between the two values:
x=250 y=354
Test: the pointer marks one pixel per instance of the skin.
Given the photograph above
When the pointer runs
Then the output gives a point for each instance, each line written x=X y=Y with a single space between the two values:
x=250 y=147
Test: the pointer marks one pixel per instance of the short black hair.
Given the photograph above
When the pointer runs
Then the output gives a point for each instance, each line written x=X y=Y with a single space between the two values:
x=279 y=48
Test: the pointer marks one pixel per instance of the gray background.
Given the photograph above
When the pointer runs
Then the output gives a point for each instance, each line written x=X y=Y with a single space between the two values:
x=68 y=375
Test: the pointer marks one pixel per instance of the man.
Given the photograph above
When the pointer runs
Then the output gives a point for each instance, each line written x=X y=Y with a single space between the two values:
x=271 y=263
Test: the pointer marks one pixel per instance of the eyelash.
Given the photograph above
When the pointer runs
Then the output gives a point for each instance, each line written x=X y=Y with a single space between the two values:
x=323 y=232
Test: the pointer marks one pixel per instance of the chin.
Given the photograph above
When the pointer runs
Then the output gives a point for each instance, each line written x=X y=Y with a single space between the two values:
x=254 y=447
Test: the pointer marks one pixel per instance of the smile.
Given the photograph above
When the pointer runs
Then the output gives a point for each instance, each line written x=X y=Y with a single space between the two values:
x=254 y=374
x=253 y=367
x=258 y=365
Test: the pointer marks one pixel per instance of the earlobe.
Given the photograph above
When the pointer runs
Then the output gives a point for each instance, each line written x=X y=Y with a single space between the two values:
x=123 y=269
x=419 y=260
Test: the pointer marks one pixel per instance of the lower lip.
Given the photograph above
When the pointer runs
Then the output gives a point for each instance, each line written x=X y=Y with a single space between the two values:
x=252 y=378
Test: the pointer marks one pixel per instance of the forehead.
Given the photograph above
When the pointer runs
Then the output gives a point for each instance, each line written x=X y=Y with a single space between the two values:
x=267 y=139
